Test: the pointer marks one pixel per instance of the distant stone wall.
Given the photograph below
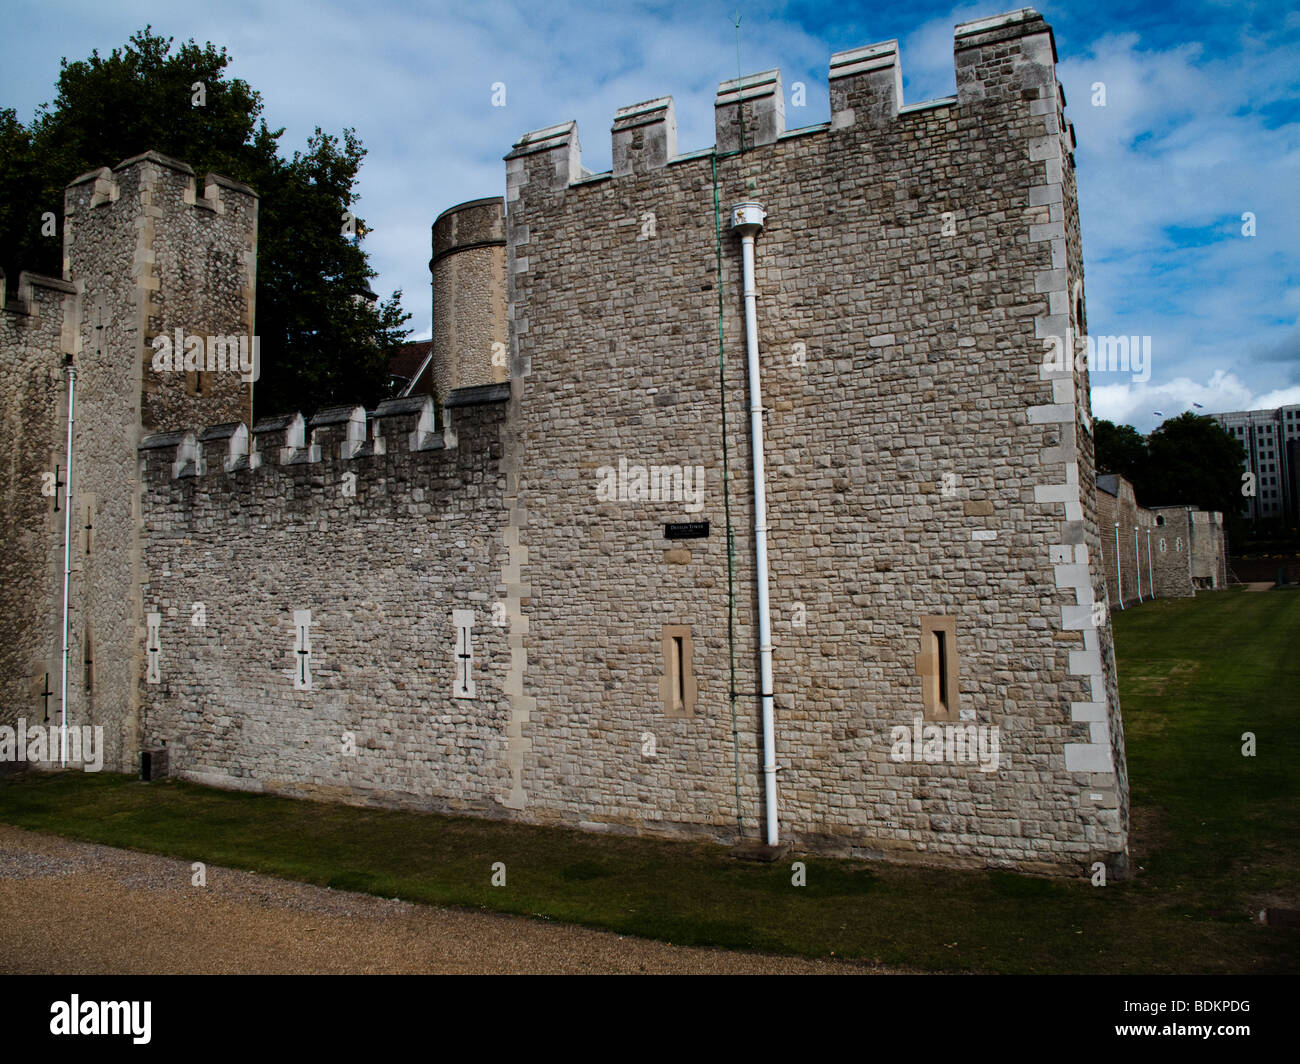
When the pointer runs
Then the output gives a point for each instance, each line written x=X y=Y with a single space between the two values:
x=1175 y=550
x=1209 y=550
x=1170 y=538
x=1124 y=509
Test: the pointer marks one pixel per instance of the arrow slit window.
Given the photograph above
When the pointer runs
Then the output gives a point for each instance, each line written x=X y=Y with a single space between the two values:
x=937 y=667
x=463 y=685
x=302 y=650
x=153 y=648
x=677 y=686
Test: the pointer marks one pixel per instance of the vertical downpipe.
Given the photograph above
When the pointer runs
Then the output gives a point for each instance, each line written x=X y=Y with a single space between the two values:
x=1119 y=565
x=746 y=222
x=1137 y=563
x=1151 y=573
x=67 y=564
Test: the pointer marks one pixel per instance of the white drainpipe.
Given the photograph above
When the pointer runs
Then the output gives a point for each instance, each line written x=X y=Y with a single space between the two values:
x=747 y=222
x=1119 y=570
x=1137 y=563
x=67 y=564
x=1151 y=573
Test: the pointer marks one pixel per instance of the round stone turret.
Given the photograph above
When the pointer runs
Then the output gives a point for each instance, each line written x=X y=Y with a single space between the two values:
x=470 y=341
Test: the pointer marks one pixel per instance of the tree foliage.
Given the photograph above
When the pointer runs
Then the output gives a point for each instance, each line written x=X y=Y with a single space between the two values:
x=321 y=342
x=1190 y=459
x=1120 y=449
x=1194 y=460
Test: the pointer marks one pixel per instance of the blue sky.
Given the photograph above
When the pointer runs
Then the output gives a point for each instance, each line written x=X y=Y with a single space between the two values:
x=1201 y=124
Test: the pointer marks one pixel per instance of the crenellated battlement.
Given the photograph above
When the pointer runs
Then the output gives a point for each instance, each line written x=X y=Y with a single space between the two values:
x=37 y=295
x=39 y=328
x=164 y=254
x=645 y=136
x=866 y=94
x=104 y=186
x=338 y=435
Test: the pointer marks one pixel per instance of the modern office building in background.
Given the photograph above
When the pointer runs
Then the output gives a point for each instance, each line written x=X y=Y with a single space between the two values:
x=1270 y=438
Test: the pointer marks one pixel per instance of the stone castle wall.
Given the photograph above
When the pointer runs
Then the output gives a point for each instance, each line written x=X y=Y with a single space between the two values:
x=888 y=506
x=930 y=492
x=1066 y=298
x=1176 y=549
x=37 y=332
x=378 y=531
x=143 y=254
x=1209 y=550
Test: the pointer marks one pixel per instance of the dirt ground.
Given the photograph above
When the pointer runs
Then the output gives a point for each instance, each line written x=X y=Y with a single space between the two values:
x=77 y=908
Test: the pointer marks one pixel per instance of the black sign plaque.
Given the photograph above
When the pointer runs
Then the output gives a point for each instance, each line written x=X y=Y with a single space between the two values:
x=687 y=530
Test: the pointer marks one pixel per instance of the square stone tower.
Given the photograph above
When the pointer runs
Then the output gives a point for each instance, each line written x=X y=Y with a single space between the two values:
x=931 y=528
x=146 y=255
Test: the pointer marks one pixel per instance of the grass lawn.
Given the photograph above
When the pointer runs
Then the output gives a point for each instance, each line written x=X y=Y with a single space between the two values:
x=1215 y=835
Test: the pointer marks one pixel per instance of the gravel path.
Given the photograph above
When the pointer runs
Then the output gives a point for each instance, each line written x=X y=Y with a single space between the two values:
x=77 y=908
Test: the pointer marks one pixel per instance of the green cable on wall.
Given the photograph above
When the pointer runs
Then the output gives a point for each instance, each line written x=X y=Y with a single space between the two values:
x=726 y=500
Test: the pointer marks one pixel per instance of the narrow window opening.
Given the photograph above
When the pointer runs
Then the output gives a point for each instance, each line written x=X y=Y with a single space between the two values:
x=302 y=650
x=677 y=687
x=941 y=663
x=153 y=648
x=89 y=505
x=939 y=669
x=45 y=694
x=679 y=675
x=464 y=686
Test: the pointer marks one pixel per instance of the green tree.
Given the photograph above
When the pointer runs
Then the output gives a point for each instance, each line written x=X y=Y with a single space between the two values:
x=312 y=286
x=320 y=342
x=1120 y=449
x=1193 y=460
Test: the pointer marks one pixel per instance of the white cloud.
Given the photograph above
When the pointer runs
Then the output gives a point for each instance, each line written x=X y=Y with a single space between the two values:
x=1128 y=403
x=1181 y=147
x=1280 y=397
x=1166 y=170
